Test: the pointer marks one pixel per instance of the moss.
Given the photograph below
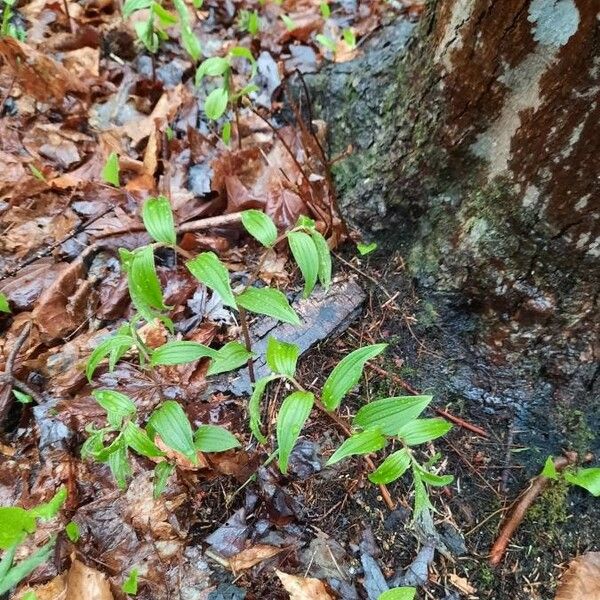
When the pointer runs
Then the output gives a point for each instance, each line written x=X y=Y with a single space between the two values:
x=550 y=511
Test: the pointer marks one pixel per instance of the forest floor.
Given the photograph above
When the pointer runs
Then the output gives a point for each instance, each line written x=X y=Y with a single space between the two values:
x=81 y=88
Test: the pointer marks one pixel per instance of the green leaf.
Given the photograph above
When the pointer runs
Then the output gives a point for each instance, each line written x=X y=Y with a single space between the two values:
x=16 y=524
x=420 y=431
x=165 y=17
x=190 y=41
x=254 y=407
x=131 y=6
x=146 y=34
x=349 y=37
x=432 y=479
x=399 y=593
x=346 y=374
x=390 y=414
x=588 y=479
x=30 y=595
x=364 y=249
x=306 y=256
x=119 y=464
x=282 y=357
x=21 y=397
x=216 y=103
x=72 y=531
x=179 y=353
x=213 y=67
x=288 y=22
x=172 y=425
x=270 y=302
x=422 y=503
x=4 y=307
x=162 y=472
x=292 y=416
x=326 y=41
x=144 y=286
x=158 y=220
x=324 y=253
x=231 y=356
x=110 y=171
x=117 y=406
x=226 y=133
x=117 y=343
x=130 y=585
x=212 y=438
x=27 y=566
x=49 y=510
x=208 y=269
x=361 y=443
x=137 y=439
x=36 y=172
x=393 y=467
x=549 y=469
x=325 y=10
x=260 y=226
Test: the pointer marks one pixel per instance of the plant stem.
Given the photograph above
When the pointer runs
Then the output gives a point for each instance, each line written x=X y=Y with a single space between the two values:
x=345 y=429
x=247 y=340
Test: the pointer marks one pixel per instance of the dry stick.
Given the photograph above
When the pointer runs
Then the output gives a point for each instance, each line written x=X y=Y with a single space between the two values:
x=440 y=411
x=345 y=429
x=69 y=20
x=512 y=522
x=8 y=378
x=247 y=340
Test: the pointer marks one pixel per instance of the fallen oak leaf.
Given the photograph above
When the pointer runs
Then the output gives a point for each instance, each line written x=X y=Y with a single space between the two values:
x=461 y=584
x=303 y=588
x=582 y=579
x=252 y=556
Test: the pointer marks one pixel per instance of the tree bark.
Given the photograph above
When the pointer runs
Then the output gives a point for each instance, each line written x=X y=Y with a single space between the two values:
x=476 y=150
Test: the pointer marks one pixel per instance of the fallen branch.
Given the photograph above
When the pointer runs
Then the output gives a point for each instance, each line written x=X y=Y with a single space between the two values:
x=514 y=519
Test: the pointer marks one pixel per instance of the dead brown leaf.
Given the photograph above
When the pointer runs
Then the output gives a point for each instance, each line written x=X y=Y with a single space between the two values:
x=85 y=582
x=582 y=579
x=461 y=584
x=303 y=588
x=38 y=74
x=252 y=556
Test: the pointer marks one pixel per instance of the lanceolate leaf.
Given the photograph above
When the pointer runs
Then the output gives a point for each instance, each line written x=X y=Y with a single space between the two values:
x=306 y=256
x=110 y=171
x=118 y=406
x=293 y=413
x=4 y=307
x=208 y=269
x=158 y=220
x=162 y=472
x=212 y=438
x=172 y=425
x=392 y=467
x=361 y=443
x=260 y=226
x=390 y=414
x=188 y=38
x=16 y=524
x=346 y=374
x=137 y=439
x=422 y=502
x=216 y=103
x=254 y=407
x=178 y=353
x=26 y=566
x=213 y=67
x=119 y=465
x=231 y=356
x=118 y=343
x=282 y=357
x=131 y=6
x=270 y=302
x=420 y=431
x=50 y=509
x=324 y=258
x=144 y=286
x=431 y=479
x=588 y=479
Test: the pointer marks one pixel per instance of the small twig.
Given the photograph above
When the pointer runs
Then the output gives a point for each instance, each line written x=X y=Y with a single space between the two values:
x=506 y=471
x=16 y=348
x=514 y=519
x=247 y=341
x=69 y=20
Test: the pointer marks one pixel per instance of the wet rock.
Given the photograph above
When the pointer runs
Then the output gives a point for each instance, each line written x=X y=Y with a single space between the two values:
x=374 y=581
x=171 y=73
x=226 y=591
x=304 y=460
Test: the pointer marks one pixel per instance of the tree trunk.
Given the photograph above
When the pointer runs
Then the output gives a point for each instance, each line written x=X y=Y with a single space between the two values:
x=480 y=145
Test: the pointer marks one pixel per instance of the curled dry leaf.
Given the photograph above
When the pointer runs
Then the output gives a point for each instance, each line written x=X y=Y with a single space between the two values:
x=303 y=588
x=252 y=556
x=582 y=579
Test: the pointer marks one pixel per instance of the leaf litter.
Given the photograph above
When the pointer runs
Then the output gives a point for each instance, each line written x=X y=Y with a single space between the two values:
x=77 y=90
